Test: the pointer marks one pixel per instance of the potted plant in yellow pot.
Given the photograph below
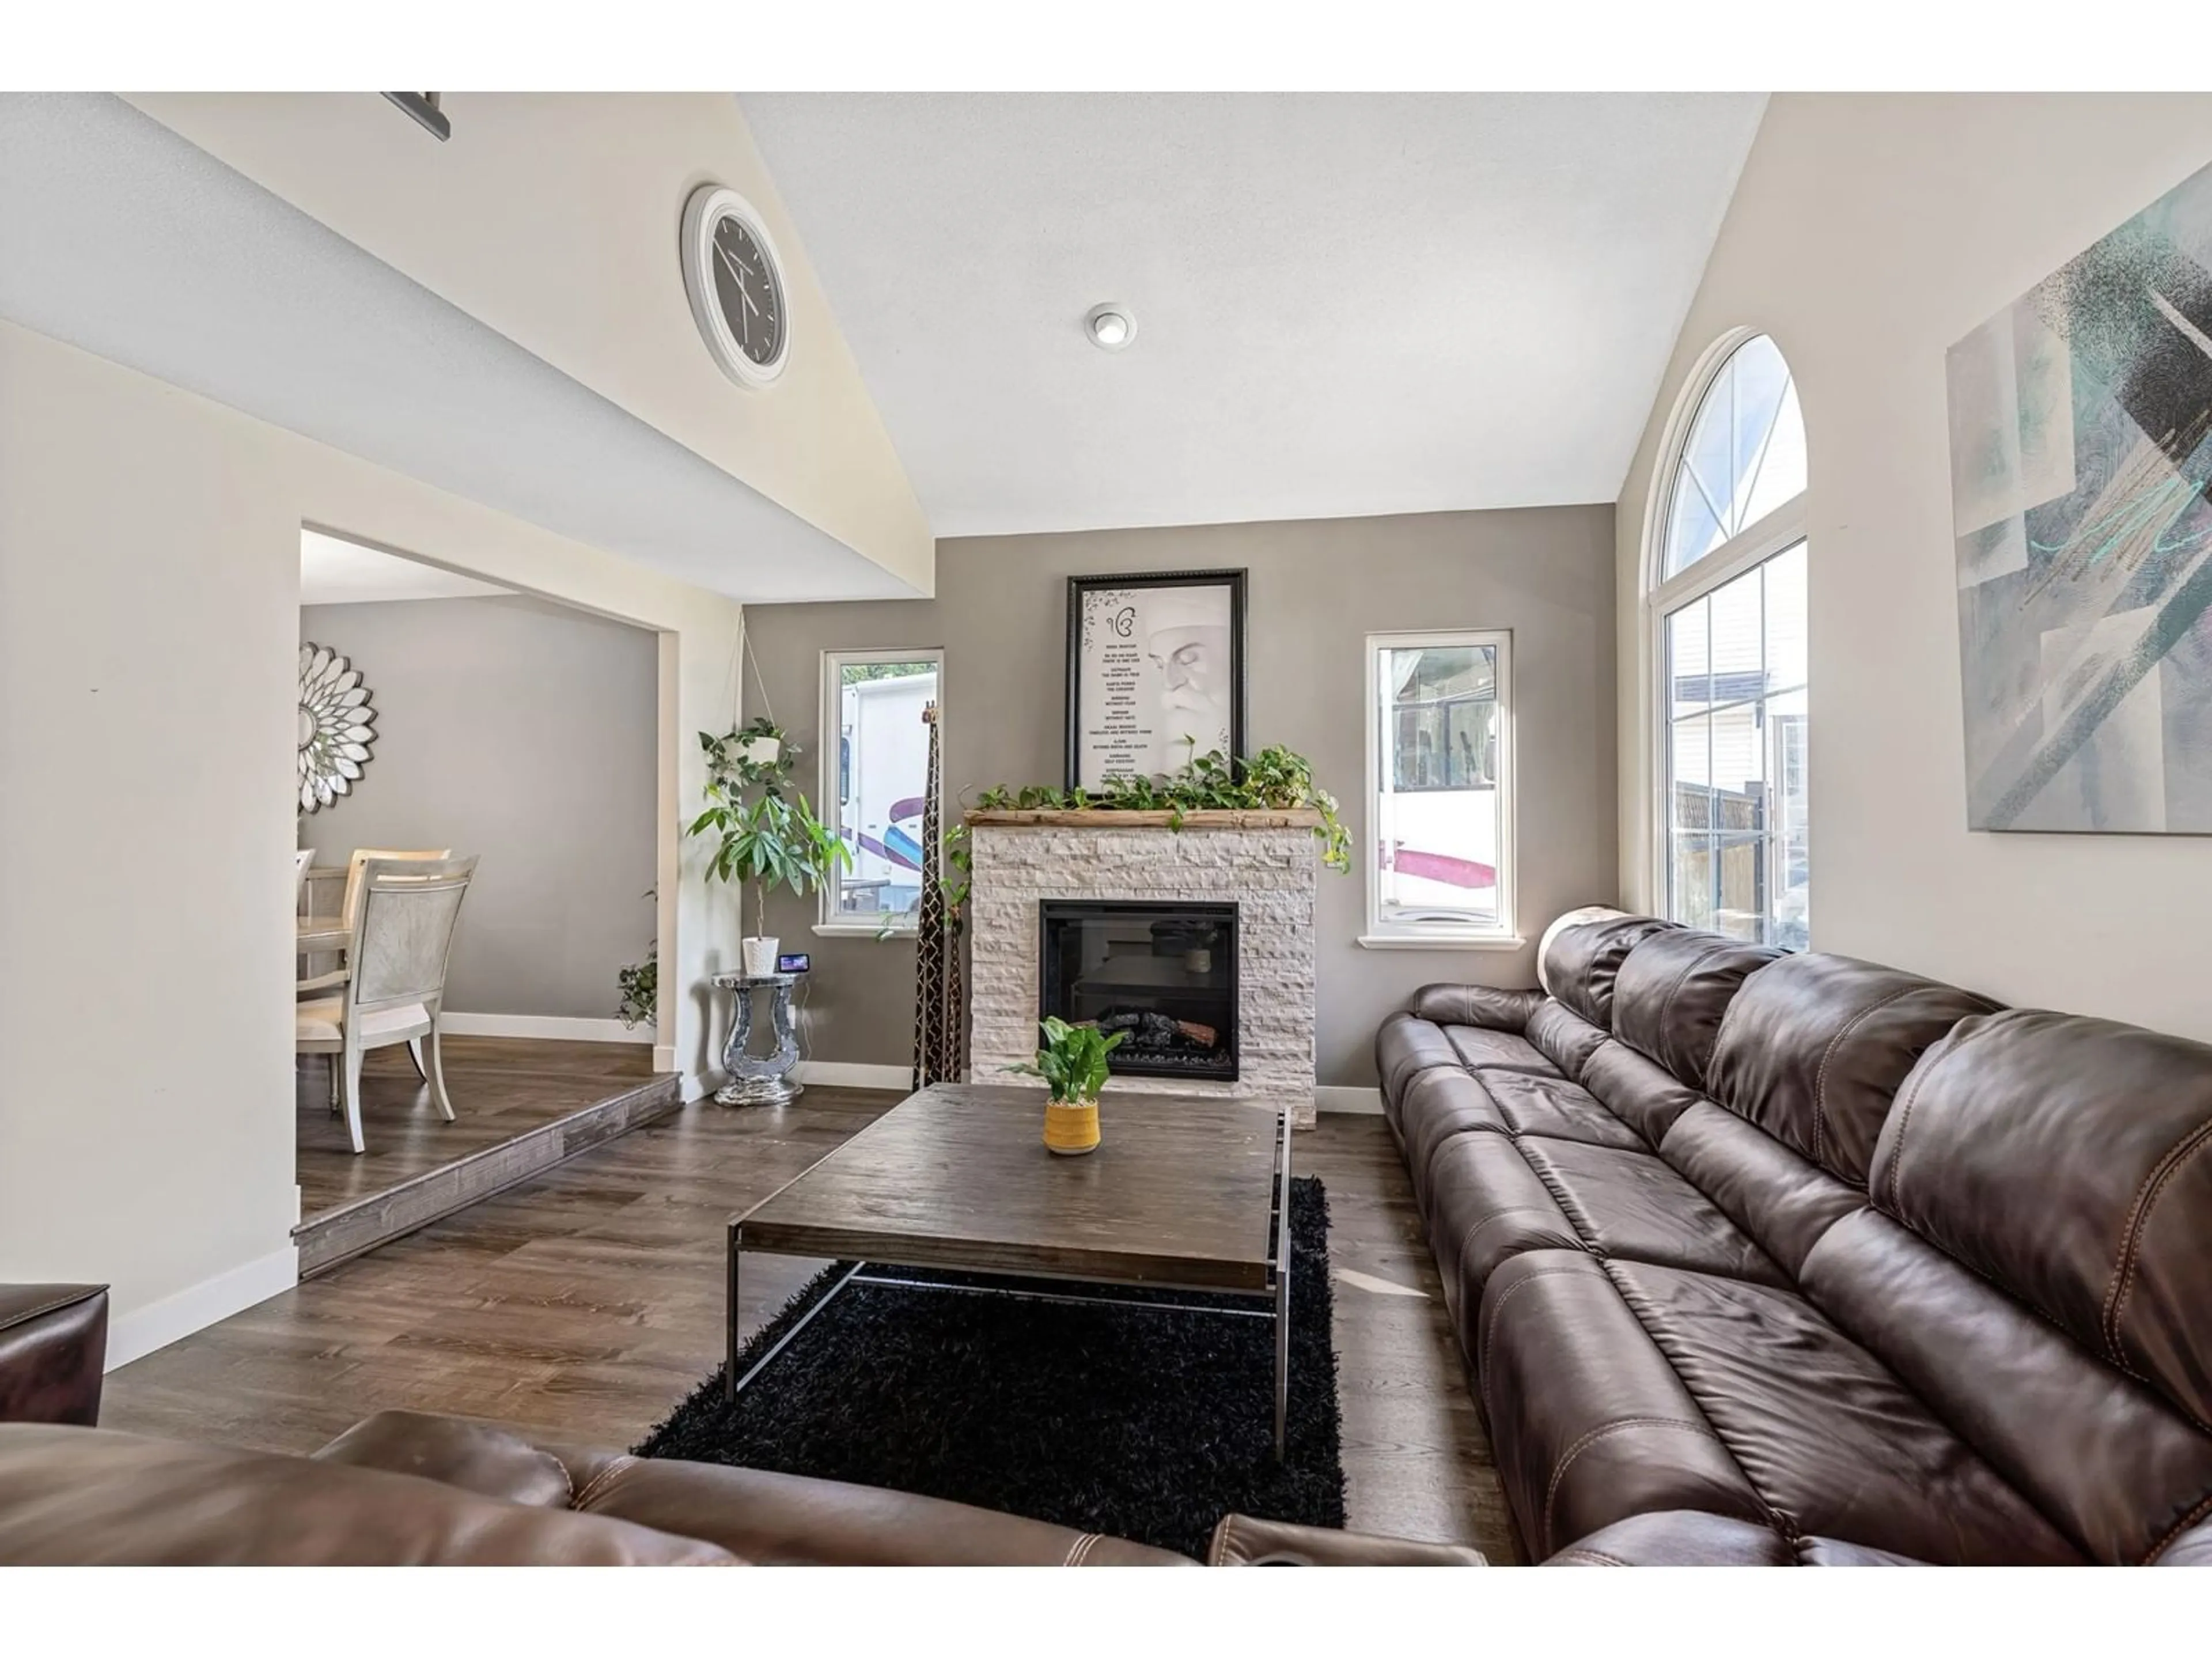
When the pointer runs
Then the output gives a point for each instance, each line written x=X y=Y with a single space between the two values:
x=1072 y=1063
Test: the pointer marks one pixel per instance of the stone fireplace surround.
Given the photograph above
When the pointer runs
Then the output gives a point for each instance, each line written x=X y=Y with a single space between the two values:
x=1266 y=863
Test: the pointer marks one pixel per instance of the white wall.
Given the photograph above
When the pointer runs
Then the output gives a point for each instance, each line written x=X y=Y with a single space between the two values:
x=553 y=217
x=148 y=631
x=1867 y=236
x=521 y=731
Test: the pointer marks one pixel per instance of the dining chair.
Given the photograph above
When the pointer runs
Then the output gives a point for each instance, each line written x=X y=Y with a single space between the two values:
x=300 y=860
x=361 y=855
x=392 y=987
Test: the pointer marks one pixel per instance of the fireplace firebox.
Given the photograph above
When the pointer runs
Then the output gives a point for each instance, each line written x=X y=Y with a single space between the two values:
x=1165 y=973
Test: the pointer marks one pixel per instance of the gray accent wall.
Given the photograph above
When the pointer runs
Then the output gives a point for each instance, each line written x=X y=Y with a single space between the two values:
x=1317 y=588
x=523 y=732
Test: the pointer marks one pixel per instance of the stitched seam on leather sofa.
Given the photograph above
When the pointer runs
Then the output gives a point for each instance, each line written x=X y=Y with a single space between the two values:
x=1667 y=1003
x=605 y=1477
x=1080 y=1550
x=2147 y=1197
x=29 y=1313
x=2203 y=1508
x=1575 y=1450
x=1779 y=1519
x=1820 y=1077
x=1498 y=1308
x=1593 y=1557
x=1904 y=1119
x=1218 y=1552
x=1705 y=1081
x=1458 y=1256
x=1575 y=1219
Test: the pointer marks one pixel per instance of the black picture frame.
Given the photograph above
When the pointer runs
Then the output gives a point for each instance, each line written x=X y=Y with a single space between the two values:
x=1080 y=588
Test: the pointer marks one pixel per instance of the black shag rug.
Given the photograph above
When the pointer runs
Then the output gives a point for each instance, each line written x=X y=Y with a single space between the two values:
x=1144 y=1423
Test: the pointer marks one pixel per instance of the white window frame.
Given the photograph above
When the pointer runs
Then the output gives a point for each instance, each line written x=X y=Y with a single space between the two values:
x=828 y=923
x=1753 y=546
x=1380 y=935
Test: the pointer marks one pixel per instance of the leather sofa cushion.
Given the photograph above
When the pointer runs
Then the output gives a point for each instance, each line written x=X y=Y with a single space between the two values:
x=1550 y=1105
x=1814 y=1048
x=1635 y=1205
x=1565 y=1038
x=1641 y=1093
x=1486 y=1206
x=1437 y=1106
x=1580 y=963
x=1588 y=1421
x=1827 y=1436
x=2111 y=1463
x=1405 y=1047
x=1243 y=1540
x=1480 y=1050
x=1785 y=1202
x=1672 y=991
x=92 y=1497
x=2070 y=1161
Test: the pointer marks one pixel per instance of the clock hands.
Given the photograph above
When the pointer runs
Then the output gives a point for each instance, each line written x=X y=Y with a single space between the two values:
x=745 y=292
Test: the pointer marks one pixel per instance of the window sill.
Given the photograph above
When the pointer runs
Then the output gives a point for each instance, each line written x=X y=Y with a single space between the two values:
x=1441 y=942
x=863 y=930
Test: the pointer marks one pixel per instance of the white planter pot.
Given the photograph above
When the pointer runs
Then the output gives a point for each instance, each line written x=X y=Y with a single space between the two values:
x=758 y=955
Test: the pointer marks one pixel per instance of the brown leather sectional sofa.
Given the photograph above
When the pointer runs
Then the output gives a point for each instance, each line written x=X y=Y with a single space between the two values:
x=1794 y=1259
x=409 y=1489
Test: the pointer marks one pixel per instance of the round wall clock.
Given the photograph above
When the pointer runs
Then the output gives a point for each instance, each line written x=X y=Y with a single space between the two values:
x=735 y=282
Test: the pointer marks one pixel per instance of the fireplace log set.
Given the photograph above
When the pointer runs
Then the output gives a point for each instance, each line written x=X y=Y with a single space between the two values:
x=1158 y=1032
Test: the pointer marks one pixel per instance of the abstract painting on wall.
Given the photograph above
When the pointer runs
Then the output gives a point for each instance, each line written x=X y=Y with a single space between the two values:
x=2080 y=444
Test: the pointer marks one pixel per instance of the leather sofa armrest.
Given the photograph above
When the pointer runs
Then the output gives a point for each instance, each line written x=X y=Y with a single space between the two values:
x=1240 y=1541
x=766 y=1518
x=54 y=1347
x=1475 y=1005
x=1678 y=1538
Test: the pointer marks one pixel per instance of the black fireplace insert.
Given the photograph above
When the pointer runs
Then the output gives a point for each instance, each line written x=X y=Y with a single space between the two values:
x=1163 y=972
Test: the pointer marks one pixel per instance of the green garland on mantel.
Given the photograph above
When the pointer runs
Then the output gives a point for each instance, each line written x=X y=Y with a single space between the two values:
x=1276 y=779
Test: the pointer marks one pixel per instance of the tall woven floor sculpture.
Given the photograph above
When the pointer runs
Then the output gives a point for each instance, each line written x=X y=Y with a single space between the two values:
x=940 y=1037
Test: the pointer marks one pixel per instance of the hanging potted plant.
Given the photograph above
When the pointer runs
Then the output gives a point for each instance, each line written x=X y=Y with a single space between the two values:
x=765 y=836
x=1072 y=1063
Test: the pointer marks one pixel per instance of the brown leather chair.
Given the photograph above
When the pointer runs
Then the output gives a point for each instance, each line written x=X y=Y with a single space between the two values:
x=1796 y=1259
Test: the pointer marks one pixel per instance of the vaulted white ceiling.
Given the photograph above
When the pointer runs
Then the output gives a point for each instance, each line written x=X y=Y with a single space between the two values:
x=1347 y=304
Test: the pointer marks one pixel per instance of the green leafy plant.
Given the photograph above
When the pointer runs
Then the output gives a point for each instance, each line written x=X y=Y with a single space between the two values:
x=765 y=836
x=1072 y=1059
x=640 y=985
x=1276 y=779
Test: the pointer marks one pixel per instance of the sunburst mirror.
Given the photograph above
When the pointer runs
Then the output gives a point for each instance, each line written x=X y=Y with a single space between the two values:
x=337 y=727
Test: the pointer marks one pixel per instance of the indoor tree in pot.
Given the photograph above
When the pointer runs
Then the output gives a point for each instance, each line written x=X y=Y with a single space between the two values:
x=1072 y=1063
x=766 y=836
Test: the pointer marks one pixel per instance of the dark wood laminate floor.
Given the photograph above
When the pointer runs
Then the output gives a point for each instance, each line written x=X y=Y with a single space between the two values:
x=588 y=1301
x=501 y=1087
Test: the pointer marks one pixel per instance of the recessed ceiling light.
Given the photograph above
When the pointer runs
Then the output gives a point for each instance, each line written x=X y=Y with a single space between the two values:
x=1110 y=326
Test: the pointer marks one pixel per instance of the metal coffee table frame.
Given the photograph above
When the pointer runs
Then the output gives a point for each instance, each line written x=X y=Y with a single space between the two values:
x=1278 y=1291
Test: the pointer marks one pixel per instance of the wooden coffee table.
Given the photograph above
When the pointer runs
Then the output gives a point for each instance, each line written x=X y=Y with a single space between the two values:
x=1185 y=1193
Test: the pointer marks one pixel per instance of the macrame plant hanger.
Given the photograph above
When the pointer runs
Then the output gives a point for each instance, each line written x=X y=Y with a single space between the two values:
x=938 y=1045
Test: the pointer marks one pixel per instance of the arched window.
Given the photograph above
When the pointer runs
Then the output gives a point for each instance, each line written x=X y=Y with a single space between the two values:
x=1726 y=609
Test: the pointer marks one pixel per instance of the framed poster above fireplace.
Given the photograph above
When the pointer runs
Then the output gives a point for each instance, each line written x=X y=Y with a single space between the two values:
x=1155 y=672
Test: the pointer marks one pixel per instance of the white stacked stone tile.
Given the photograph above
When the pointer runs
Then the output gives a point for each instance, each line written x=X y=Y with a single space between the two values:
x=1270 y=874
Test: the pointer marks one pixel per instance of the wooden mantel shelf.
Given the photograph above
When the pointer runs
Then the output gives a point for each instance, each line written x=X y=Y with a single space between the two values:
x=1095 y=817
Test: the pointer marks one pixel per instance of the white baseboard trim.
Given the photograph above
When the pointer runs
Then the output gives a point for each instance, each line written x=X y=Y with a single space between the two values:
x=835 y=1074
x=664 y=1057
x=555 y=1027
x=136 y=1333
x=1342 y=1098
x=697 y=1086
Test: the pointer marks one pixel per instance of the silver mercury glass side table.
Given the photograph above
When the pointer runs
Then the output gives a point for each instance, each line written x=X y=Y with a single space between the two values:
x=758 y=1079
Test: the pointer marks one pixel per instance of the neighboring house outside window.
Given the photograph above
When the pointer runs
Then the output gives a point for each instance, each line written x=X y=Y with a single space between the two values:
x=875 y=770
x=1728 y=617
x=1439 y=779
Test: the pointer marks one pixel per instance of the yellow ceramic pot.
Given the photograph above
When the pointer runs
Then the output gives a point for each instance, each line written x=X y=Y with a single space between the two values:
x=1071 y=1128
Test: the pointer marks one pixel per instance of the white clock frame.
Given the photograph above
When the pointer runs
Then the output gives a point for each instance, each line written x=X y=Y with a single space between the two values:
x=709 y=206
